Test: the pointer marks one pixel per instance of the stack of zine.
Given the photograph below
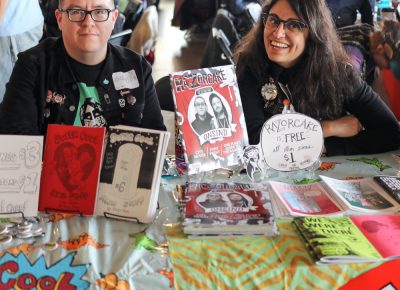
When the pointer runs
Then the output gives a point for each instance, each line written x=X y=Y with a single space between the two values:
x=334 y=197
x=365 y=238
x=227 y=209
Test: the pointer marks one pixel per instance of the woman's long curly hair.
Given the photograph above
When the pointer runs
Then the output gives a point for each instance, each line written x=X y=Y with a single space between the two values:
x=324 y=79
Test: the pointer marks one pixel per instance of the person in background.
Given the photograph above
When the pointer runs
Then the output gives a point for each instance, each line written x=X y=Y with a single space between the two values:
x=355 y=38
x=80 y=78
x=295 y=49
x=21 y=27
x=345 y=12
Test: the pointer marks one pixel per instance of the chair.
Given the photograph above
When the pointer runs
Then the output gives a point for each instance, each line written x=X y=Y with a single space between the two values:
x=224 y=44
x=253 y=11
x=166 y=99
x=144 y=35
x=164 y=93
x=118 y=38
x=222 y=39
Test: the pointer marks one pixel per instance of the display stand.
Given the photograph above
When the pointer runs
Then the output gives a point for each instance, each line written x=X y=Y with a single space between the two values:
x=127 y=218
x=121 y=217
x=50 y=210
x=14 y=212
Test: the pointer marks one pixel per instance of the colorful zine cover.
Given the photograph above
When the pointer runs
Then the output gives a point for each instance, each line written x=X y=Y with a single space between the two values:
x=20 y=167
x=335 y=240
x=383 y=231
x=71 y=169
x=226 y=204
x=131 y=173
x=361 y=195
x=210 y=117
x=305 y=199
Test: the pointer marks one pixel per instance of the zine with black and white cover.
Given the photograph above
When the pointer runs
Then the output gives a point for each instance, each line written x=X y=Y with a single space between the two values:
x=20 y=167
x=227 y=207
x=131 y=172
x=391 y=184
x=210 y=117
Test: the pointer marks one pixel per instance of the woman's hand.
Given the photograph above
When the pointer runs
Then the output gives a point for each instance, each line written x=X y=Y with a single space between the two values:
x=346 y=126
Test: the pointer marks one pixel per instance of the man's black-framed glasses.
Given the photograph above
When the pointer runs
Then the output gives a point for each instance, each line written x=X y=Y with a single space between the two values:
x=272 y=22
x=198 y=104
x=79 y=15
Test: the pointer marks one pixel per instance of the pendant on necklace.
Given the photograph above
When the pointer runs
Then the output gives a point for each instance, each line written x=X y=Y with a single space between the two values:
x=269 y=92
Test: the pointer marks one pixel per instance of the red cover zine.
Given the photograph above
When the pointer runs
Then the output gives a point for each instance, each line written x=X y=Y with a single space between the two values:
x=210 y=117
x=71 y=169
x=305 y=199
x=382 y=231
x=226 y=202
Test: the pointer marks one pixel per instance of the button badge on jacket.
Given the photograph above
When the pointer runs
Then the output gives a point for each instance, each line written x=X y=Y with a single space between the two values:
x=55 y=98
x=269 y=92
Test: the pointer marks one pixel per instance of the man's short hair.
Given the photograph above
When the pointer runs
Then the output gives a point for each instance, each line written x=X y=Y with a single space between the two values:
x=199 y=97
x=114 y=2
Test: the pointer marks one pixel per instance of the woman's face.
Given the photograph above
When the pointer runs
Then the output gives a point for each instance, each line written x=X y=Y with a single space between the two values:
x=284 y=44
x=217 y=105
x=235 y=197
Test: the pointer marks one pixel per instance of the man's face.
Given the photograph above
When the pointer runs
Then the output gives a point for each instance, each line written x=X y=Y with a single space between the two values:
x=200 y=106
x=87 y=36
x=214 y=196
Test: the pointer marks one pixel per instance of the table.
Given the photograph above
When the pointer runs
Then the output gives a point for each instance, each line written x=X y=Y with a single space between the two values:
x=271 y=263
x=101 y=253
x=90 y=252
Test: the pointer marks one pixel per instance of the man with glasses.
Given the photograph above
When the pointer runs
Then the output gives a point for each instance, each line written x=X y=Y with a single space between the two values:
x=203 y=120
x=61 y=80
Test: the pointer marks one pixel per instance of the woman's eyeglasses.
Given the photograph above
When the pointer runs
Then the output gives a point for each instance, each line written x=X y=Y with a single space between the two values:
x=79 y=15
x=272 y=22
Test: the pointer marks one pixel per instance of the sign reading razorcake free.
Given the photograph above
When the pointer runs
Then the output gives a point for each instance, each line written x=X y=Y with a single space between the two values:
x=291 y=141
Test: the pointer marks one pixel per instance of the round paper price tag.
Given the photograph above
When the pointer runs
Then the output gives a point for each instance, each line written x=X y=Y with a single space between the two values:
x=291 y=141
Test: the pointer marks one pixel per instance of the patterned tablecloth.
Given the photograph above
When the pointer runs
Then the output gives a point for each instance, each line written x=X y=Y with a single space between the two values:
x=100 y=253
x=274 y=263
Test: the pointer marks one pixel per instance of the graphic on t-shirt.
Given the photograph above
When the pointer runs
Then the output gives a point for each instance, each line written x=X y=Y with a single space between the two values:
x=92 y=114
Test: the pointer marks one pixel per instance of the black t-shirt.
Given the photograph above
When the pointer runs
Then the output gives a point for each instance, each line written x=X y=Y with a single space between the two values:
x=84 y=73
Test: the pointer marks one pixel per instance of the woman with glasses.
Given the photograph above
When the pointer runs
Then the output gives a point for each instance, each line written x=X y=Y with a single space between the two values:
x=293 y=53
x=80 y=79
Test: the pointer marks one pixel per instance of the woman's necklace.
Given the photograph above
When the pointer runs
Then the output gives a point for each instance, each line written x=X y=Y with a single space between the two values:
x=222 y=123
x=269 y=91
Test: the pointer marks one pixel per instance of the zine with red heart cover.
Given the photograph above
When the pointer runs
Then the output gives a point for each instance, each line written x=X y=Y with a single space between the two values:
x=71 y=169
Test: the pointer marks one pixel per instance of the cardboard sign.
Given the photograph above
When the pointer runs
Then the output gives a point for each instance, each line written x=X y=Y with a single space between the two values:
x=20 y=167
x=291 y=141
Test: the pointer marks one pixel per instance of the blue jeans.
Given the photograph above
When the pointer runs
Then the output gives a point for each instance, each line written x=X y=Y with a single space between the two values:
x=10 y=46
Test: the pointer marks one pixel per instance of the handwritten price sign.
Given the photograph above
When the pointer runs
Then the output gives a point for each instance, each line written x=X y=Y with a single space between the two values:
x=20 y=167
x=291 y=141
